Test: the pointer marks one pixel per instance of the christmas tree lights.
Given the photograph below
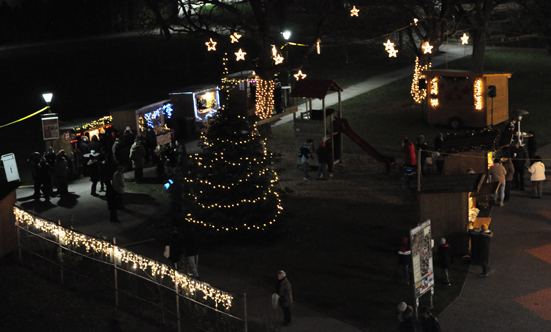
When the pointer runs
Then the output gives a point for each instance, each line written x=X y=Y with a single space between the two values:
x=232 y=184
x=69 y=237
x=417 y=93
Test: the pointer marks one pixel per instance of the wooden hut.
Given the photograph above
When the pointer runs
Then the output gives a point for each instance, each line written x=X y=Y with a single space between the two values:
x=461 y=98
x=475 y=150
x=450 y=202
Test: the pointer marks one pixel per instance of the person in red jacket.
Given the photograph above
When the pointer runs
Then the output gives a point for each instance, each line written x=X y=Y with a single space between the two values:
x=408 y=149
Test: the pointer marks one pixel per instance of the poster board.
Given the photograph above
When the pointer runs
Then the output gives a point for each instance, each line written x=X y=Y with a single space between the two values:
x=50 y=127
x=421 y=252
x=10 y=167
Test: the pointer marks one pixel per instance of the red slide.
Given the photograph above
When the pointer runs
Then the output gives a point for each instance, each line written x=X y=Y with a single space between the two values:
x=343 y=126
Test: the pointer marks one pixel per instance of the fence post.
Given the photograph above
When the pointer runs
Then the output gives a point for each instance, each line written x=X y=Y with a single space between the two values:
x=177 y=306
x=115 y=269
x=245 y=310
x=60 y=253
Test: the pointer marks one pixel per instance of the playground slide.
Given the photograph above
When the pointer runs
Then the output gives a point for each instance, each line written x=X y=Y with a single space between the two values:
x=343 y=126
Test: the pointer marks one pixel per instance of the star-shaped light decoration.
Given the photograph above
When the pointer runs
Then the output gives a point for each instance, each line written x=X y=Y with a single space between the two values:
x=274 y=51
x=427 y=48
x=235 y=37
x=240 y=55
x=299 y=75
x=278 y=59
x=211 y=45
x=464 y=39
x=415 y=20
x=392 y=53
x=389 y=45
x=354 y=11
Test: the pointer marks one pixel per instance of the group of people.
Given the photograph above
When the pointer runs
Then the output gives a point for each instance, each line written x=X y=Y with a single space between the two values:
x=406 y=321
x=49 y=170
x=509 y=170
x=306 y=153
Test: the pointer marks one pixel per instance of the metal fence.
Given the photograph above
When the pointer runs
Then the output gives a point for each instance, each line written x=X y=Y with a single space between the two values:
x=112 y=273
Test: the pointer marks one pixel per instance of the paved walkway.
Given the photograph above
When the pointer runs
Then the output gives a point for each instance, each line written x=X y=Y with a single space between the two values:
x=452 y=52
x=517 y=295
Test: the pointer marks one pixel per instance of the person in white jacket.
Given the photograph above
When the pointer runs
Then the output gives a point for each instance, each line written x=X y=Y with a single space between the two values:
x=538 y=176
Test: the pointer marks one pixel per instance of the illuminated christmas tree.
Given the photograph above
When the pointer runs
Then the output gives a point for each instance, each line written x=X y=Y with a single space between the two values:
x=232 y=184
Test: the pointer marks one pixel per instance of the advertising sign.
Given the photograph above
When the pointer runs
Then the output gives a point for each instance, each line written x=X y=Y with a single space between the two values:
x=421 y=251
x=50 y=127
x=10 y=167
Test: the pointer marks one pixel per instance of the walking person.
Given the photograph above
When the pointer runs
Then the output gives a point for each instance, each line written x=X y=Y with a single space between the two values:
x=480 y=247
x=61 y=170
x=408 y=149
x=305 y=154
x=323 y=159
x=497 y=174
x=137 y=154
x=283 y=289
x=191 y=247
x=445 y=259
x=518 y=156
x=404 y=259
x=510 y=168
x=538 y=176
x=175 y=243
x=34 y=165
x=429 y=323
x=45 y=174
x=94 y=170
x=405 y=318
x=112 y=202
x=118 y=185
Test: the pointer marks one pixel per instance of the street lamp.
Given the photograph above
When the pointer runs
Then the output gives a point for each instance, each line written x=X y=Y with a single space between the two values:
x=48 y=98
x=286 y=34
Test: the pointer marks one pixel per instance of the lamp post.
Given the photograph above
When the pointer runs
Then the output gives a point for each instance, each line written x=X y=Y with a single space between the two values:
x=48 y=98
x=286 y=35
x=50 y=124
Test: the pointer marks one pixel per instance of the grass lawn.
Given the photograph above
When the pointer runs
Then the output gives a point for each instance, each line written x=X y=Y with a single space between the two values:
x=340 y=246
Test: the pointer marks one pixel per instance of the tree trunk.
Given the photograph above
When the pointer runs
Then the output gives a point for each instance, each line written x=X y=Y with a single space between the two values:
x=479 y=50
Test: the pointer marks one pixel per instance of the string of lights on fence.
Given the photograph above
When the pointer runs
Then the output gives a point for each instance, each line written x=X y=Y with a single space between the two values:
x=69 y=237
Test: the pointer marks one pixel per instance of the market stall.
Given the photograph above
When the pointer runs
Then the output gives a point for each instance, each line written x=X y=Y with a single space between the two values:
x=452 y=203
x=461 y=98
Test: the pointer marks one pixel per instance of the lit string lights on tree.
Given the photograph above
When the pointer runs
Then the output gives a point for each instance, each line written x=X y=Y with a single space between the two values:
x=264 y=99
x=69 y=237
x=233 y=183
x=417 y=93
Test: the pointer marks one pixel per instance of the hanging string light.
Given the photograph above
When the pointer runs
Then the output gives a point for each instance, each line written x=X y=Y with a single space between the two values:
x=417 y=93
x=211 y=45
x=299 y=75
x=264 y=97
x=69 y=237
x=240 y=55
x=464 y=39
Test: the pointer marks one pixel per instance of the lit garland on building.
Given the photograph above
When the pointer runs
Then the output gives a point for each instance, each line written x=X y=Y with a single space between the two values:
x=69 y=237
x=417 y=93
x=233 y=184
x=102 y=122
x=434 y=92
x=264 y=99
x=478 y=94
